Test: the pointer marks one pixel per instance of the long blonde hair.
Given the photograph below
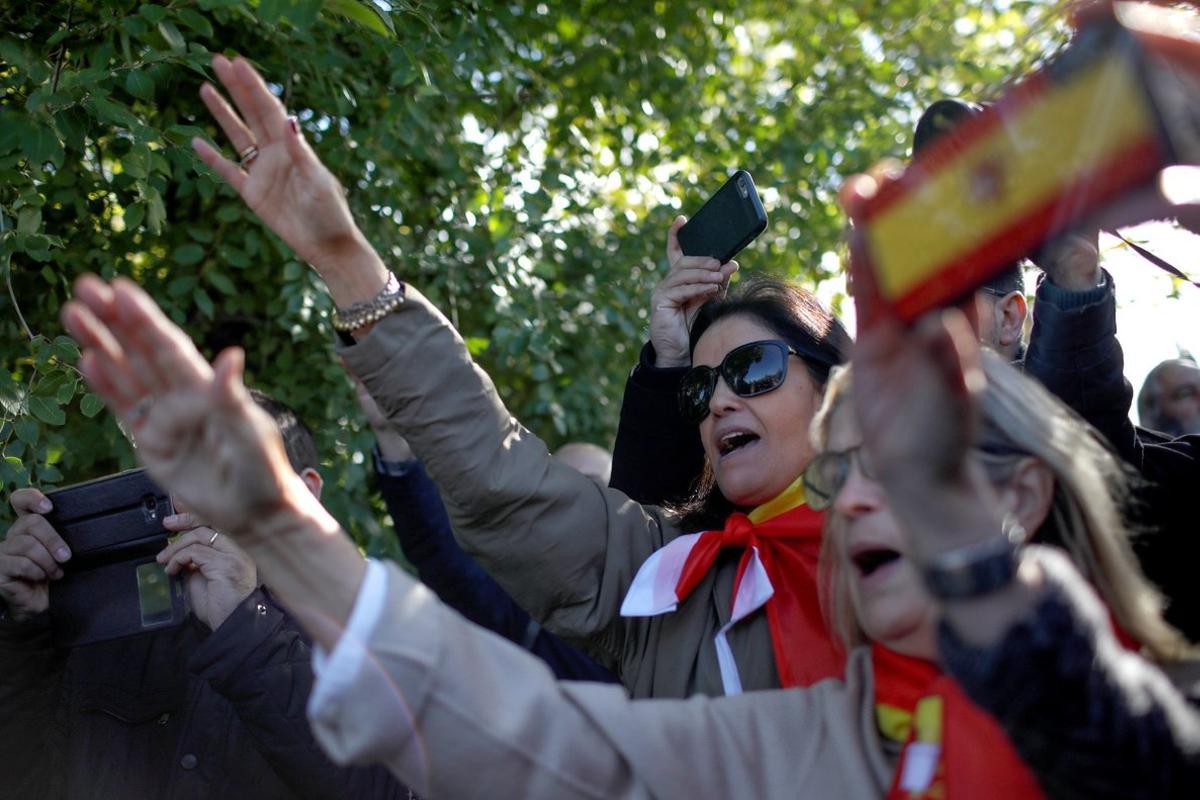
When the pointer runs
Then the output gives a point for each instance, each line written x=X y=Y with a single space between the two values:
x=1020 y=416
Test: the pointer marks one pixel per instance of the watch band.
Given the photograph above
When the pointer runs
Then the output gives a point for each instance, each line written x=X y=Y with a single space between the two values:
x=394 y=469
x=972 y=571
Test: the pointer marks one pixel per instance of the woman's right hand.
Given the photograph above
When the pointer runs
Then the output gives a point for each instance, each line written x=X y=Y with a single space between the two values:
x=285 y=184
x=691 y=282
x=198 y=433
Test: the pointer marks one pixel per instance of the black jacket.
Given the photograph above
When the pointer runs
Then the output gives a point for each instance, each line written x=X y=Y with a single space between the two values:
x=1074 y=352
x=1090 y=719
x=178 y=713
x=657 y=457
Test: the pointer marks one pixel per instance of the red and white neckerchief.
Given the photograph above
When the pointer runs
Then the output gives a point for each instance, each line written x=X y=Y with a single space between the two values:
x=781 y=541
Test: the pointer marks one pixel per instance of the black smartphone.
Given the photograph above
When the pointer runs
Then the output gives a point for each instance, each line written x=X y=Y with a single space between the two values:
x=727 y=222
x=112 y=586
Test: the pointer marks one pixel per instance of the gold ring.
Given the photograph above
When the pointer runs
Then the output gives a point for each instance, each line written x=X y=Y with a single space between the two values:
x=247 y=156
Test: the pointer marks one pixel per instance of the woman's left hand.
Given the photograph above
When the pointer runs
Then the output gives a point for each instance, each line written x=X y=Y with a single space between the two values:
x=914 y=386
x=914 y=392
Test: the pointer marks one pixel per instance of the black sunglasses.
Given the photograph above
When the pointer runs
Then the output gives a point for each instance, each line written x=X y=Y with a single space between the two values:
x=752 y=369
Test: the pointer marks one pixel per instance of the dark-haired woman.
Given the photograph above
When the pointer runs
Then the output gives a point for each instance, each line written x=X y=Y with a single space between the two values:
x=458 y=712
x=716 y=612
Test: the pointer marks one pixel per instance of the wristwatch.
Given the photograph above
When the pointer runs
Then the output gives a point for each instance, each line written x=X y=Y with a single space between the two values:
x=972 y=571
x=393 y=469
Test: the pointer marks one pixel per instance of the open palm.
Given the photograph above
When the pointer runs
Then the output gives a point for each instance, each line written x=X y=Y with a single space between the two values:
x=198 y=432
x=279 y=177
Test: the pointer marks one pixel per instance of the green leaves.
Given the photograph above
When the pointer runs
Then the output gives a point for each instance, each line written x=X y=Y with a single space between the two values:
x=361 y=13
x=47 y=410
x=188 y=254
x=139 y=84
x=90 y=405
x=34 y=136
x=172 y=36
x=518 y=167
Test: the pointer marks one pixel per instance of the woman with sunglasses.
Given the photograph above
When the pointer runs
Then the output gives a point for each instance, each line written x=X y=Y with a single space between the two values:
x=457 y=712
x=734 y=608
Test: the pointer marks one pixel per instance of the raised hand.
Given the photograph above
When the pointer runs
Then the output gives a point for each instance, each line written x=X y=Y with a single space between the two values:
x=198 y=432
x=392 y=445
x=282 y=181
x=915 y=396
x=279 y=176
x=1072 y=261
x=691 y=282
x=914 y=388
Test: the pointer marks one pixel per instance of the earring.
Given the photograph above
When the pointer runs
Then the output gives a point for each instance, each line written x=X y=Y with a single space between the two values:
x=1012 y=529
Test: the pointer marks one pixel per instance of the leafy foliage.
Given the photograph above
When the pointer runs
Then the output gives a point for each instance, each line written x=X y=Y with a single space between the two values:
x=519 y=163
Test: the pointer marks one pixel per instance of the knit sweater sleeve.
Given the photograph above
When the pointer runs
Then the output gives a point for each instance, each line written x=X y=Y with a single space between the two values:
x=1091 y=719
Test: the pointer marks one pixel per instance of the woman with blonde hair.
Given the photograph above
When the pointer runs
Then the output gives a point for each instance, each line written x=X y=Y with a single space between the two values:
x=454 y=711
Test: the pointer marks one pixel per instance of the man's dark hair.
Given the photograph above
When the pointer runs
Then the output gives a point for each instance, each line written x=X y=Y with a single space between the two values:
x=1010 y=279
x=298 y=438
x=936 y=122
x=797 y=317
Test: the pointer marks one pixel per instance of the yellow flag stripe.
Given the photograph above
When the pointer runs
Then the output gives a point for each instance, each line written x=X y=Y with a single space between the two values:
x=1057 y=138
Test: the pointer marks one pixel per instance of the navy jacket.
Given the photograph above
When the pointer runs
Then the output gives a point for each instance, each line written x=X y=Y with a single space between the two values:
x=427 y=541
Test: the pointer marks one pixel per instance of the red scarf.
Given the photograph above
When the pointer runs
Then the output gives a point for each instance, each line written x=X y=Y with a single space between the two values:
x=788 y=546
x=952 y=749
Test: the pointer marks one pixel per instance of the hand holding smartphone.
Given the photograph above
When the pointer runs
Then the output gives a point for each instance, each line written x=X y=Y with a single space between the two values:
x=725 y=224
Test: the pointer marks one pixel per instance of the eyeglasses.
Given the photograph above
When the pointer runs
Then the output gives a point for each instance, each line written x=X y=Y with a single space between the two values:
x=750 y=370
x=826 y=474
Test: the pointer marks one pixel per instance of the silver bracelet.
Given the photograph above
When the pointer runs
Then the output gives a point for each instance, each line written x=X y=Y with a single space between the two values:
x=373 y=310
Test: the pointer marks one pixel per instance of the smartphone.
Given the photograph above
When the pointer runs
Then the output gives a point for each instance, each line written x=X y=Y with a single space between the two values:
x=112 y=586
x=727 y=222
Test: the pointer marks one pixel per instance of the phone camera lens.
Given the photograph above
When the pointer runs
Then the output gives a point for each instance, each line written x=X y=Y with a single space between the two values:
x=745 y=192
x=150 y=507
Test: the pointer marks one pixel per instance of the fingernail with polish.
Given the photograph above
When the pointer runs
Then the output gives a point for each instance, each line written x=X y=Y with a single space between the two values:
x=294 y=124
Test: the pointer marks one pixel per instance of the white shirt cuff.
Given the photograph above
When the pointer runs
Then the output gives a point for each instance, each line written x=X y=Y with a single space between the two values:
x=337 y=671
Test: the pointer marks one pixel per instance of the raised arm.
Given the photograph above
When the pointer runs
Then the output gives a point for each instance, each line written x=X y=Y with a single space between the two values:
x=563 y=547
x=657 y=457
x=450 y=709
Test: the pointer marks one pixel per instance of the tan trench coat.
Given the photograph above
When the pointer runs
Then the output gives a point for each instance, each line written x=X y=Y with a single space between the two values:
x=457 y=712
x=565 y=548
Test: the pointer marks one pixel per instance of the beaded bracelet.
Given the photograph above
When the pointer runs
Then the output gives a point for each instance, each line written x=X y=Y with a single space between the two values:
x=373 y=310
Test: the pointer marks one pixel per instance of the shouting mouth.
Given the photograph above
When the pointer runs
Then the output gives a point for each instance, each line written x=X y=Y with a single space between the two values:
x=871 y=561
x=734 y=441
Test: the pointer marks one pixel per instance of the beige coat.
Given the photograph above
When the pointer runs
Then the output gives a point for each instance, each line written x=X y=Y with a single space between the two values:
x=565 y=548
x=457 y=712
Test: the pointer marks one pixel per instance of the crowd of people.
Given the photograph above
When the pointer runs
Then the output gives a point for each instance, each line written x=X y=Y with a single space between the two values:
x=937 y=561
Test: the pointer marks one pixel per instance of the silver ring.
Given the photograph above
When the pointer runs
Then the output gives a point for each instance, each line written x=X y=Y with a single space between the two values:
x=213 y=540
x=247 y=156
